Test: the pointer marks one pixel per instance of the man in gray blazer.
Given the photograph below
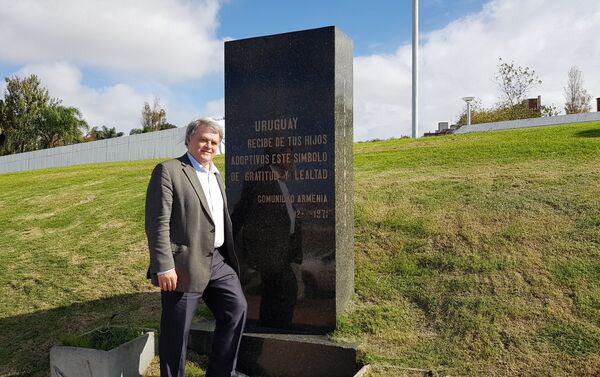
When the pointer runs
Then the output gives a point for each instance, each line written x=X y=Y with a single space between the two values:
x=191 y=252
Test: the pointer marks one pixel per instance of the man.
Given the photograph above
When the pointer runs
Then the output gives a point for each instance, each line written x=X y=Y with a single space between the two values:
x=191 y=252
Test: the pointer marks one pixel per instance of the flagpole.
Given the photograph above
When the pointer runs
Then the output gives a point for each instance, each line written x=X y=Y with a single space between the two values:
x=415 y=70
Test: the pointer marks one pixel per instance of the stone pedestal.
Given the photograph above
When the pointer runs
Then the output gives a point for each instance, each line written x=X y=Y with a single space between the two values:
x=289 y=355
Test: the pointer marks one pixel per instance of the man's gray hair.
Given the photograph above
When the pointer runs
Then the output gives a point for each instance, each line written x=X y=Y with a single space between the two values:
x=209 y=123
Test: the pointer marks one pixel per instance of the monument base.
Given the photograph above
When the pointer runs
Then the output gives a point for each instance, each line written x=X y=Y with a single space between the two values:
x=284 y=355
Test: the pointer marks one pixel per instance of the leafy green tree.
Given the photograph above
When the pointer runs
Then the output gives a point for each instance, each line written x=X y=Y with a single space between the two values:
x=24 y=102
x=577 y=99
x=59 y=125
x=104 y=133
x=30 y=119
x=500 y=112
x=167 y=126
x=2 y=126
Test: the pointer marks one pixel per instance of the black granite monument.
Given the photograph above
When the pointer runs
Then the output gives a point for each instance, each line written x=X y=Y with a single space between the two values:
x=288 y=115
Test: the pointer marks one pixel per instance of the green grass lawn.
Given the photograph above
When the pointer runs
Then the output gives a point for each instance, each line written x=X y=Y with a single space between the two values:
x=476 y=254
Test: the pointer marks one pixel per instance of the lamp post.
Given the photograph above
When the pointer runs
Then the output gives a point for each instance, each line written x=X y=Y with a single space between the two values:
x=468 y=101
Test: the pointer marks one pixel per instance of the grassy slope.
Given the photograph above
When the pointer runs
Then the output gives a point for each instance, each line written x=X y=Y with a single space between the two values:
x=475 y=254
x=478 y=254
x=72 y=252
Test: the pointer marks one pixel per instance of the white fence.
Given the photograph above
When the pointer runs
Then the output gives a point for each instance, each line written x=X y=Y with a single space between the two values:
x=533 y=122
x=159 y=144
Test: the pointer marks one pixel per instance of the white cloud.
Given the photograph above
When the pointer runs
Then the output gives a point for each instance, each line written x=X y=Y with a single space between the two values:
x=460 y=59
x=166 y=41
x=117 y=106
x=147 y=45
x=215 y=109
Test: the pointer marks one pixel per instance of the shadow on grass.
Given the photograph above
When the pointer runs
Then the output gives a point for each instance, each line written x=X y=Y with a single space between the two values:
x=25 y=340
x=589 y=133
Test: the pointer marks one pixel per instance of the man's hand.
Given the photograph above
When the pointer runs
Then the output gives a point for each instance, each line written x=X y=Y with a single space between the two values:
x=168 y=281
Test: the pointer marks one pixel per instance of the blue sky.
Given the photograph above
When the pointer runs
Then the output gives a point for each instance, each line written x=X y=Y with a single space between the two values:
x=376 y=29
x=108 y=57
x=374 y=26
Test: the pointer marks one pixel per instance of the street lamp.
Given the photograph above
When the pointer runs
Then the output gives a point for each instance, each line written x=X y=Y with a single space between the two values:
x=468 y=101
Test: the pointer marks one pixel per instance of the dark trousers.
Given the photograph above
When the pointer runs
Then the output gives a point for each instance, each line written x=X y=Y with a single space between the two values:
x=224 y=297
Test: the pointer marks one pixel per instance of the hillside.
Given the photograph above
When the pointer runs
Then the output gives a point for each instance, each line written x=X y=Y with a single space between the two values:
x=476 y=254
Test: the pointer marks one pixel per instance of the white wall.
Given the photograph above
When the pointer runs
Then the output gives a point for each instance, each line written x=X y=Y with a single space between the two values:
x=533 y=122
x=159 y=144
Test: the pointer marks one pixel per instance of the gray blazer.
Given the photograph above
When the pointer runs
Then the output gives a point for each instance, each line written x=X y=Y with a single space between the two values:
x=180 y=228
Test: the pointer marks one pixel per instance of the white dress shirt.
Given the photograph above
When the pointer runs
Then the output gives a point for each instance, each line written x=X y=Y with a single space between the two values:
x=212 y=192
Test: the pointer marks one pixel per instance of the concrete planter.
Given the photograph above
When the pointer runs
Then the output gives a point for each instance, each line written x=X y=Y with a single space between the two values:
x=130 y=359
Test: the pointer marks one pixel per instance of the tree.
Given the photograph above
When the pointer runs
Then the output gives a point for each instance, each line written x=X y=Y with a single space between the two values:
x=153 y=118
x=167 y=126
x=24 y=101
x=2 y=126
x=105 y=133
x=30 y=119
x=500 y=113
x=577 y=99
x=514 y=82
x=59 y=125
